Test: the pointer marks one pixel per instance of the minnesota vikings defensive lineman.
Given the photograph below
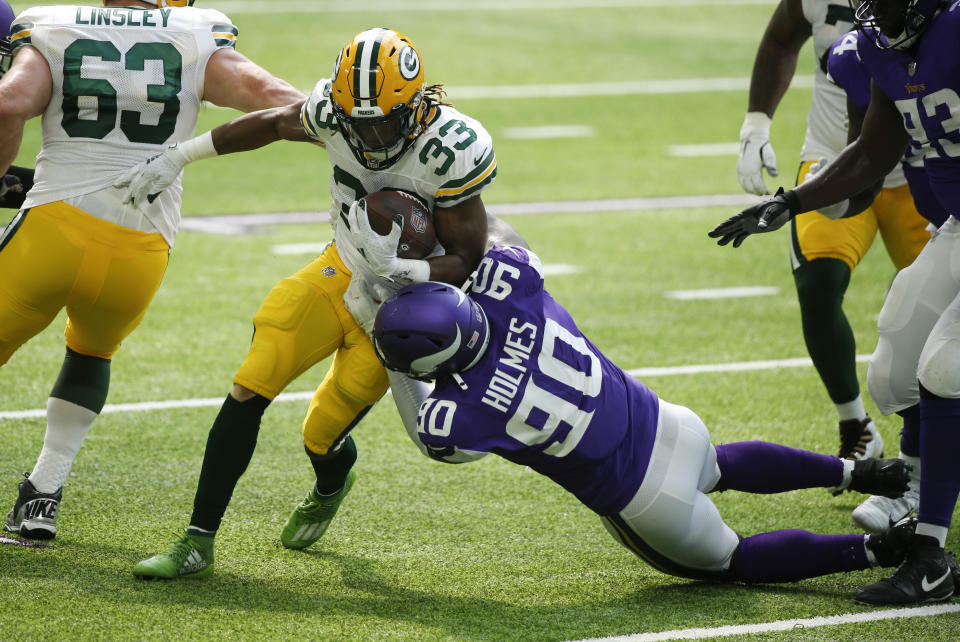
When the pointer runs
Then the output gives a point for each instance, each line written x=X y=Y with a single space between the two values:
x=382 y=128
x=824 y=252
x=18 y=180
x=516 y=377
x=911 y=51
x=845 y=69
x=115 y=85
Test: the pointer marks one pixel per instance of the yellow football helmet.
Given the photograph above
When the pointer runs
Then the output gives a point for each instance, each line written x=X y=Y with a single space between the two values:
x=377 y=90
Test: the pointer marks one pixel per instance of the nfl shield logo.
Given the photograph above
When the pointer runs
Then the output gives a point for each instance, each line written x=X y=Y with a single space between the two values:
x=912 y=68
x=328 y=271
x=418 y=220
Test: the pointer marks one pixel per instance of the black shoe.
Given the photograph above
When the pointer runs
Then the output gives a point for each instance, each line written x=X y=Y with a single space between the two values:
x=925 y=575
x=887 y=477
x=859 y=439
x=890 y=547
x=34 y=515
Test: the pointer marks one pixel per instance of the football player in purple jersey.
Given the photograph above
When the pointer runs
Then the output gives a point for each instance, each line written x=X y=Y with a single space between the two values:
x=877 y=513
x=516 y=377
x=18 y=180
x=911 y=51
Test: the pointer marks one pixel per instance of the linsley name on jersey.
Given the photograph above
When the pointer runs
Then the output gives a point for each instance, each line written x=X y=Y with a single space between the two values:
x=121 y=16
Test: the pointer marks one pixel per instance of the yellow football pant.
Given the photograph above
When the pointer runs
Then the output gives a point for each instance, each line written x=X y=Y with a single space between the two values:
x=903 y=230
x=302 y=321
x=55 y=255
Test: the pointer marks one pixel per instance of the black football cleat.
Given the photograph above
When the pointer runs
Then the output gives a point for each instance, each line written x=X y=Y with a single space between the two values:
x=34 y=515
x=890 y=547
x=887 y=477
x=927 y=574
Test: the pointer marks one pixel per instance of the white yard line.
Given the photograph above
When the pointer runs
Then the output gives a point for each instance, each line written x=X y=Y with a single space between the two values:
x=170 y=404
x=784 y=625
x=723 y=293
x=548 y=132
x=704 y=149
x=241 y=223
x=611 y=88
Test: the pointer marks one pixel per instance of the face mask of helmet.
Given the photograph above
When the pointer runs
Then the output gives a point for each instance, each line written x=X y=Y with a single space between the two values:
x=895 y=24
x=378 y=141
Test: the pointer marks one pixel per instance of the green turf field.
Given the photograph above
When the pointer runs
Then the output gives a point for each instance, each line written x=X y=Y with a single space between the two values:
x=421 y=550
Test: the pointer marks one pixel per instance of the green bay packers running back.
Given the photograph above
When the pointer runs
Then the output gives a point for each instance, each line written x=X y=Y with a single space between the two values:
x=382 y=127
x=115 y=85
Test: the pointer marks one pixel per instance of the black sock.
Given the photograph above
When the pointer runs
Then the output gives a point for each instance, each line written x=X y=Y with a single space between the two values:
x=83 y=380
x=821 y=284
x=332 y=470
x=230 y=446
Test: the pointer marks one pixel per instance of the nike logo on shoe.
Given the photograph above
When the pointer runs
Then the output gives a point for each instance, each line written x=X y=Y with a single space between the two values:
x=929 y=586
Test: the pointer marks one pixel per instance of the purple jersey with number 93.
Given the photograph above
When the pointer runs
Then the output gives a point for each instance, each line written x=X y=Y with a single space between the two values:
x=543 y=395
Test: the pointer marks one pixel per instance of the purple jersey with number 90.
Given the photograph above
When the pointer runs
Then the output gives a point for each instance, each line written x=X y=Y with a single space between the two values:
x=543 y=395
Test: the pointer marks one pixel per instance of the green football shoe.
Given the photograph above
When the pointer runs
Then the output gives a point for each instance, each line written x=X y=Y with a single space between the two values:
x=310 y=520
x=189 y=556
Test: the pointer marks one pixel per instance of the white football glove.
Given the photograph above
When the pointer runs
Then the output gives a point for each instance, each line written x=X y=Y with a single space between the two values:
x=149 y=178
x=835 y=211
x=361 y=304
x=756 y=153
x=156 y=174
x=380 y=252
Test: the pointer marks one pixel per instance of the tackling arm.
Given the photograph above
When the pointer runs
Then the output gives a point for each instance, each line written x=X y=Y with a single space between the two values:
x=24 y=93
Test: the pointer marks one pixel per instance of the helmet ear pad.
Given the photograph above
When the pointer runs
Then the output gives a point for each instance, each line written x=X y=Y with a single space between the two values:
x=428 y=330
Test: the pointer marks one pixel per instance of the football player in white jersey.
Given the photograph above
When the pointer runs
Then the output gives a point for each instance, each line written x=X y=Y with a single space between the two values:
x=824 y=251
x=114 y=85
x=382 y=127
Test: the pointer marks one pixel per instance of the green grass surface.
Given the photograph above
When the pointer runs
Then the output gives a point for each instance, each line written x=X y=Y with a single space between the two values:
x=421 y=550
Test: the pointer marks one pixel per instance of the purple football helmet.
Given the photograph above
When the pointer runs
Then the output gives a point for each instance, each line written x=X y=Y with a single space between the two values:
x=895 y=24
x=6 y=17
x=428 y=330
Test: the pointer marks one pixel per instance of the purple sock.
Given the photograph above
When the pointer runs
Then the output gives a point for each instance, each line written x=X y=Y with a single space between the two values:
x=910 y=435
x=789 y=555
x=939 y=474
x=764 y=467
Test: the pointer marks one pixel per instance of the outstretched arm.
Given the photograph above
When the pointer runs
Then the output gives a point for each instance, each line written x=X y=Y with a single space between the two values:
x=879 y=147
x=773 y=69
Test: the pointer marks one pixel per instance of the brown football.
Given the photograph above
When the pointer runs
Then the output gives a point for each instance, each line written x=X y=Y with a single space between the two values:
x=418 y=237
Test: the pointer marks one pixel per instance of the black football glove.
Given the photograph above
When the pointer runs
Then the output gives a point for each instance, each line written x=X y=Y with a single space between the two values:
x=765 y=216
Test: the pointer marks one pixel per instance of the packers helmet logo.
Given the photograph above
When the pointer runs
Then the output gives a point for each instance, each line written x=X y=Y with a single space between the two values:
x=409 y=63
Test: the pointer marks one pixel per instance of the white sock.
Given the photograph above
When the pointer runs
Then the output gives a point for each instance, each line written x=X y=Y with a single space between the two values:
x=847 y=473
x=851 y=410
x=932 y=530
x=67 y=427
